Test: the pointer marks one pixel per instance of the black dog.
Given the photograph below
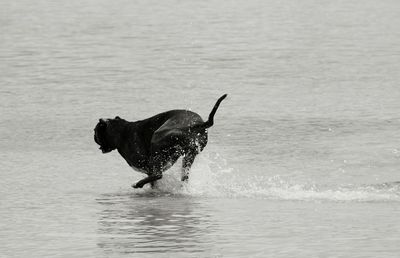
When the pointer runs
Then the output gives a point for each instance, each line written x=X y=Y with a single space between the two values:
x=153 y=145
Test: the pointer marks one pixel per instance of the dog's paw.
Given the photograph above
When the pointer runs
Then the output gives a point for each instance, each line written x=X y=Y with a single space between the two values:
x=137 y=186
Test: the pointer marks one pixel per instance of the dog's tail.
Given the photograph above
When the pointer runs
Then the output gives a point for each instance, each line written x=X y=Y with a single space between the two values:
x=210 y=121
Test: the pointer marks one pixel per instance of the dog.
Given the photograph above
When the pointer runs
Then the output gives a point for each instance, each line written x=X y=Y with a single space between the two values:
x=153 y=145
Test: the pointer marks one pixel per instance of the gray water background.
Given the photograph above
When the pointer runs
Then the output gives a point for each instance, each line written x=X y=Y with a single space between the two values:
x=303 y=159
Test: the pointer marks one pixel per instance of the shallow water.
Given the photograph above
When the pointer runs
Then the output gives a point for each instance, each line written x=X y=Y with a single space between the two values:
x=302 y=161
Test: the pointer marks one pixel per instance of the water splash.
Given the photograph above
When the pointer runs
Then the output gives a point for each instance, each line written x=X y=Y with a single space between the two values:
x=222 y=182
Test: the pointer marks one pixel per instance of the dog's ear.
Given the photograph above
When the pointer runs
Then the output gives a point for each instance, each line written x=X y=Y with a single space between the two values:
x=102 y=123
x=117 y=117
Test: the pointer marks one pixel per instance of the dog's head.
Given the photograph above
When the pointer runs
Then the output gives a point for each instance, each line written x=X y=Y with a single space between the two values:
x=107 y=133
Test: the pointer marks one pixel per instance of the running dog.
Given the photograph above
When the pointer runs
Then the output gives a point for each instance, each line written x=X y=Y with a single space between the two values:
x=153 y=145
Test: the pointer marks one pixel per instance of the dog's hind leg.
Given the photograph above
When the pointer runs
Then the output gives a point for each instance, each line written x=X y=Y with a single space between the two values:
x=187 y=162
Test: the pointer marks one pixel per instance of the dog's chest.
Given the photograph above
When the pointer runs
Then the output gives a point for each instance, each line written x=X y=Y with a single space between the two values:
x=141 y=170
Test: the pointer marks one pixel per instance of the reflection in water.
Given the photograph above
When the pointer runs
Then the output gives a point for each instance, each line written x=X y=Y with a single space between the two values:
x=131 y=223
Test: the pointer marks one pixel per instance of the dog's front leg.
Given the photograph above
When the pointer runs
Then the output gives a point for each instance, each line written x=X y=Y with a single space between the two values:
x=155 y=173
x=147 y=180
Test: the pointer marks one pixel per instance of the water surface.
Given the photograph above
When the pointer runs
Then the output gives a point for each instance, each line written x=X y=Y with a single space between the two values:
x=302 y=161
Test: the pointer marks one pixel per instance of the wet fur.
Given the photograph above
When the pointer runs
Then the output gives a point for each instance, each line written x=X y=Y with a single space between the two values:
x=153 y=145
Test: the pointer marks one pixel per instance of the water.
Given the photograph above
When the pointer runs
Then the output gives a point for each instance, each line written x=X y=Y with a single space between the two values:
x=302 y=161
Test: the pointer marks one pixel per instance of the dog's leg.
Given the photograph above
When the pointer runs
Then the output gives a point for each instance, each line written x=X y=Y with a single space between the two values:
x=187 y=162
x=155 y=173
x=165 y=150
x=159 y=163
x=149 y=179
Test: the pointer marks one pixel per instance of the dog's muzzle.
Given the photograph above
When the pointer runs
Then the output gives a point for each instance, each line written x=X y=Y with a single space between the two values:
x=99 y=138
